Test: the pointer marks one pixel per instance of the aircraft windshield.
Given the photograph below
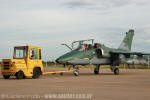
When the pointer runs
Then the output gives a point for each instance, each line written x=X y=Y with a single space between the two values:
x=78 y=47
x=82 y=45
x=20 y=52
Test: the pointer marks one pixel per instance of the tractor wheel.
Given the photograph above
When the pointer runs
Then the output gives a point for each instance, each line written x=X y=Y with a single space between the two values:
x=6 y=76
x=36 y=73
x=20 y=75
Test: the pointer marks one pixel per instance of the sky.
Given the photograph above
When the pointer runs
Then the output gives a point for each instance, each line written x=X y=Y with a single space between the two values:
x=49 y=23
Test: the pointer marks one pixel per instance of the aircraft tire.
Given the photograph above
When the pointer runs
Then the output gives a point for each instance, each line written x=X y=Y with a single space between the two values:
x=96 y=71
x=76 y=73
x=116 y=71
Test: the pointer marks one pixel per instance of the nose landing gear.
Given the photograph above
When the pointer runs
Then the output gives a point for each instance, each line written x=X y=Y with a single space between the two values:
x=115 y=70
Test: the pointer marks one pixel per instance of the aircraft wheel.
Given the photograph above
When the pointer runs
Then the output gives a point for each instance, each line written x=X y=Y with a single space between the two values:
x=20 y=75
x=6 y=76
x=116 y=71
x=76 y=73
x=96 y=71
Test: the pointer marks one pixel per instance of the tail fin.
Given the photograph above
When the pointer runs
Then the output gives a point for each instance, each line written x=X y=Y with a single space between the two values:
x=127 y=41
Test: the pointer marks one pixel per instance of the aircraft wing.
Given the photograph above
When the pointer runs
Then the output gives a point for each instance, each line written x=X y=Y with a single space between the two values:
x=128 y=53
x=140 y=53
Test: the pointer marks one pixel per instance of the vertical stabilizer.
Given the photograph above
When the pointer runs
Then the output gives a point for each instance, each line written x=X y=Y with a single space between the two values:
x=127 y=41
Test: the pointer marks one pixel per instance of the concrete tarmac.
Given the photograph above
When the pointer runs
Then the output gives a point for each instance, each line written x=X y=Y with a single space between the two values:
x=131 y=84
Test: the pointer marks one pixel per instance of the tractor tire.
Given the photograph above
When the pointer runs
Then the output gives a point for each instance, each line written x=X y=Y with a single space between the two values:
x=6 y=76
x=20 y=75
x=36 y=73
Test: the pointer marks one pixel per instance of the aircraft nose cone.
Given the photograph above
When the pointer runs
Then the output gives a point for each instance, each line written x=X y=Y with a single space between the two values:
x=57 y=61
x=64 y=58
x=61 y=60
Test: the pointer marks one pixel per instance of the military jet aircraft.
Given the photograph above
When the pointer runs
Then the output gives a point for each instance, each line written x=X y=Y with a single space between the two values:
x=98 y=54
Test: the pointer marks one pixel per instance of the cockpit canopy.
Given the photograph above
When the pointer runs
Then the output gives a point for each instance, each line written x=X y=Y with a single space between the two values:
x=85 y=45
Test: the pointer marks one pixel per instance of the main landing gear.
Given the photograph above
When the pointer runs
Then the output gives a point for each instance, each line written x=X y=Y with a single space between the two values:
x=115 y=70
x=96 y=70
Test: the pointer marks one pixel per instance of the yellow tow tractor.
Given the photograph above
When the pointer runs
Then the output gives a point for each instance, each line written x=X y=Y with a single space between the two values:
x=26 y=62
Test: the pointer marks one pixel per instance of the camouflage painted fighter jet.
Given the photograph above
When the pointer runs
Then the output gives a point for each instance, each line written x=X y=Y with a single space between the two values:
x=98 y=54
